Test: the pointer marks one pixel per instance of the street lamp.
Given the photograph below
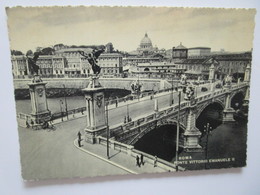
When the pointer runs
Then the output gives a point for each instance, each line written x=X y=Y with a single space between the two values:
x=172 y=99
x=207 y=129
x=61 y=102
x=66 y=106
x=178 y=132
x=127 y=109
x=138 y=88
x=107 y=129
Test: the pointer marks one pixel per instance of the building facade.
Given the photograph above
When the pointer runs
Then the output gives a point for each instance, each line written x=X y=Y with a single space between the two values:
x=179 y=52
x=19 y=66
x=199 y=51
x=67 y=62
x=163 y=70
x=111 y=64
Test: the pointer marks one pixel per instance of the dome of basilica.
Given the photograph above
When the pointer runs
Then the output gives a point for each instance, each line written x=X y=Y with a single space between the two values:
x=146 y=42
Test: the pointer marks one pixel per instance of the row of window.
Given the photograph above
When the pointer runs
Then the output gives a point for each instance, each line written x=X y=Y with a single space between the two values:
x=110 y=58
x=108 y=65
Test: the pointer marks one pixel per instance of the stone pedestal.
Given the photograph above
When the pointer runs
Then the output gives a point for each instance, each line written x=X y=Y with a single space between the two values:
x=95 y=110
x=228 y=112
x=40 y=112
x=192 y=134
x=246 y=99
x=228 y=115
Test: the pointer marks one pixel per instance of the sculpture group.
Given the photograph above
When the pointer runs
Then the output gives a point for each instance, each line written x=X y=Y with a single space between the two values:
x=92 y=59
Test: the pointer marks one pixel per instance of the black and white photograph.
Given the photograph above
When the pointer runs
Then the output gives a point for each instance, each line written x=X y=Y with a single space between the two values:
x=106 y=90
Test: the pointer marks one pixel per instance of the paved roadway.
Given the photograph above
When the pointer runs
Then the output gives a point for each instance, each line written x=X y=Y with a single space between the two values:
x=145 y=106
x=52 y=154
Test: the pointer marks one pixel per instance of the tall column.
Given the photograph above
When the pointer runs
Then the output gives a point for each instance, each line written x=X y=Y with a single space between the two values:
x=40 y=112
x=95 y=102
x=212 y=73
x=192 y=133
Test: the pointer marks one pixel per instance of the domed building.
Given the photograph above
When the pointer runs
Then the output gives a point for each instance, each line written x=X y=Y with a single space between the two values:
x=179 y=52
x=146 y=46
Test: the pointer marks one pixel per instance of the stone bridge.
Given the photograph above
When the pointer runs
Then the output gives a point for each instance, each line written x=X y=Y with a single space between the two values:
x=131 y=132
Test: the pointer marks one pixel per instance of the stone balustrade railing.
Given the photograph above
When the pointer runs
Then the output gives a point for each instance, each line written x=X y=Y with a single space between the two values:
x=129 y=150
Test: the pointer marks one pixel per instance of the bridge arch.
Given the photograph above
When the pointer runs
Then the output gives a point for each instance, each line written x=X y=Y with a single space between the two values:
x=220 y=103
x=211 y=113
x=241 y=91
x=163 y=140
x=159 y=124
x=237 y=99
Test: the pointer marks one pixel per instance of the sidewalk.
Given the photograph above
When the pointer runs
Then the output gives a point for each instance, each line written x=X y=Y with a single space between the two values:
x=117 y=158
x=70 y=117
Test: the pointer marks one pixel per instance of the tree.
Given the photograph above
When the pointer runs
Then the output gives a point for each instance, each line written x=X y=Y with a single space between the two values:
x=16 y=52
x=29 y=53
x=47 y=51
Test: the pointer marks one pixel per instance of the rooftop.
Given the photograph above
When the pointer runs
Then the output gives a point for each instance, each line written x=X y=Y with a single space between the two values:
x=180 y=46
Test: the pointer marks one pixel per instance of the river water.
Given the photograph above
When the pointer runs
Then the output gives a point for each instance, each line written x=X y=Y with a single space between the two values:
x=58 y=104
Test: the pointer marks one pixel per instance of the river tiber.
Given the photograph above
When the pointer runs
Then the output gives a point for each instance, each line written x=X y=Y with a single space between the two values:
x=86 y=107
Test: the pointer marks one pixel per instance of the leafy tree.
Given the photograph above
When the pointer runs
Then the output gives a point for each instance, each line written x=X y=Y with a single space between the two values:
x=29 y=53
x=47 y=51
x=16 y=52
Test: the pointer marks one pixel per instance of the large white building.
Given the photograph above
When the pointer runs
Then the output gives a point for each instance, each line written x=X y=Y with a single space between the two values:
x=111 y=63
x=68 y=62
x=199 y=51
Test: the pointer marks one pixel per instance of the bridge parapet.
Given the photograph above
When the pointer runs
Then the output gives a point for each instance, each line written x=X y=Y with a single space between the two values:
x=130 y=151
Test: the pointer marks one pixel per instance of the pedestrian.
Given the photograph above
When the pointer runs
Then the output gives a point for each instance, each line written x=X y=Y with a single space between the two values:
x=125 y=120
x=137 y=161
x=142 y=159
x=155 y=161
x=79 y=142
x=27 y=124
x=79 y=135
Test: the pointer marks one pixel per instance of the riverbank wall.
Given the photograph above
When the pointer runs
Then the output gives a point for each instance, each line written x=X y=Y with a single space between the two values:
x=81 y=83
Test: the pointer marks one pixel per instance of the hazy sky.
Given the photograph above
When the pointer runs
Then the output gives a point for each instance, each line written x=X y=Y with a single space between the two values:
x=231 y=29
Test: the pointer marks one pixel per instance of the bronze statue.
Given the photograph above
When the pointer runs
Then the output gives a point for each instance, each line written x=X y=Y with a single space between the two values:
x=33 y=67
x=189 y=92
x=92 y=59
